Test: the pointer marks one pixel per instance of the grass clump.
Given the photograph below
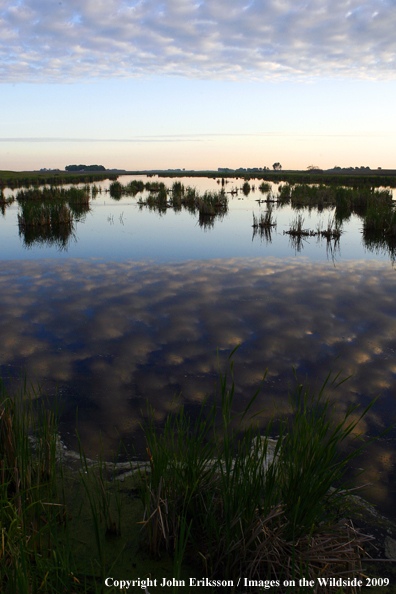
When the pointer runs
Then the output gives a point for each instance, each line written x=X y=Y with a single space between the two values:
x=246 y=188
x=297 y=227
x=380 y=218
x=246 y=504
x=265 y=187
x=266 y=219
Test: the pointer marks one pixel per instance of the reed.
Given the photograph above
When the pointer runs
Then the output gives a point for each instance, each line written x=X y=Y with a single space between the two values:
x=29 y=520
x=333 y=230
x=51 y=194
x=266 y=219
x=380 y=217
x=297 y=227
x=44 y=215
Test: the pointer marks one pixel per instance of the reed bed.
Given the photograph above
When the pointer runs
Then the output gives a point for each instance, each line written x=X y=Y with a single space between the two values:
x=50 y=194
x=117 y=190
x=380 y=218
x=208 y=205
x=49 y=215
x=247 y=505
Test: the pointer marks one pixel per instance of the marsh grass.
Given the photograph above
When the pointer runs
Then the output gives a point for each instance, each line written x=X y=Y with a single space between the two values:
x=46 y=214
x=245 y=504
x=52 y=193
x=265 y=187
x=266 y=219
x=208 y=205
x=297 y=227
x=29 y=520
x=332 y=231
x=216 y=491
x=380 y=218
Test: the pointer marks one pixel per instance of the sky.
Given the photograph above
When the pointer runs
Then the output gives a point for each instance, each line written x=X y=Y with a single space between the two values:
x=197 y=84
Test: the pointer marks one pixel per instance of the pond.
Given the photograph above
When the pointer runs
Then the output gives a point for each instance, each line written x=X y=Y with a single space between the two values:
x=135 y=304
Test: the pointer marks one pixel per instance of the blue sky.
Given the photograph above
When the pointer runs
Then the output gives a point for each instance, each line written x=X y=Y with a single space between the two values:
x=197 y=84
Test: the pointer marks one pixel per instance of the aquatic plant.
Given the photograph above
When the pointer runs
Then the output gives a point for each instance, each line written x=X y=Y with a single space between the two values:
x=265 y=187
x=115 y=190
x=51 y=194
x=29 y=521
x=262 y=508
x=380 y=217
x=46 y=214
x=333 y=230
x=297 y=226
x=266 y=219
x=246 y=188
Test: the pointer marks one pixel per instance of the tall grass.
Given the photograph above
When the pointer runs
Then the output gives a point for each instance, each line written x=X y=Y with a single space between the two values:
x=216 y=490
x=380 y=217
x=29 y=521
x=253 y=506
x=75 y=195
x=46 y=214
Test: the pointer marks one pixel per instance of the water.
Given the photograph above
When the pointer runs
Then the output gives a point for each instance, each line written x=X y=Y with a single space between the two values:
x=137 y=303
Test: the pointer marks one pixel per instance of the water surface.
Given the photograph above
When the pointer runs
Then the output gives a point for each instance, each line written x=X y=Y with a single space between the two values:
x=137 y=303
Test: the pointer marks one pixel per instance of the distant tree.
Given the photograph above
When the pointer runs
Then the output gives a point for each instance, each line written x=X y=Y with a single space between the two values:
x=277 y=166
x=313 y=167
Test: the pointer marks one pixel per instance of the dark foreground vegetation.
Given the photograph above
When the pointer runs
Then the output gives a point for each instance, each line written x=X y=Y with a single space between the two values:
x=216 y=499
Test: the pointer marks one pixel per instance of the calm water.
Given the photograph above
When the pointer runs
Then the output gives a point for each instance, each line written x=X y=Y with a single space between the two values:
x=137 y=304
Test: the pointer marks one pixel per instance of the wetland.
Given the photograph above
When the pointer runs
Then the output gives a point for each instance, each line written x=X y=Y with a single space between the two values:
x=120 y=293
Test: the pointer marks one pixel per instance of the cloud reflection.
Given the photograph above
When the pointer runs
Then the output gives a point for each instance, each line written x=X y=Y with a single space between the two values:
x=115 y=334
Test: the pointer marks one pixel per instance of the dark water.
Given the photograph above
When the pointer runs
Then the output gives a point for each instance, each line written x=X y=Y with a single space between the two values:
x=136 y=303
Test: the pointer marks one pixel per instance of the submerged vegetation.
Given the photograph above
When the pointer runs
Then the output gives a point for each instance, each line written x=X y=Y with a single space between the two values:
x=217 y=498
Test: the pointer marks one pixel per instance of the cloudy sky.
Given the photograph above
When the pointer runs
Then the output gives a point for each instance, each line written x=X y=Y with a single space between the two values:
x=197 y=84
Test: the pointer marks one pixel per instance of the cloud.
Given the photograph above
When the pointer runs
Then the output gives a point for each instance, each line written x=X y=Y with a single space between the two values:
x=65 y=41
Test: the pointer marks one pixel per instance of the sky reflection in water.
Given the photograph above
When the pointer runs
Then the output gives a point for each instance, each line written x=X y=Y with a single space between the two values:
x=112 y=332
